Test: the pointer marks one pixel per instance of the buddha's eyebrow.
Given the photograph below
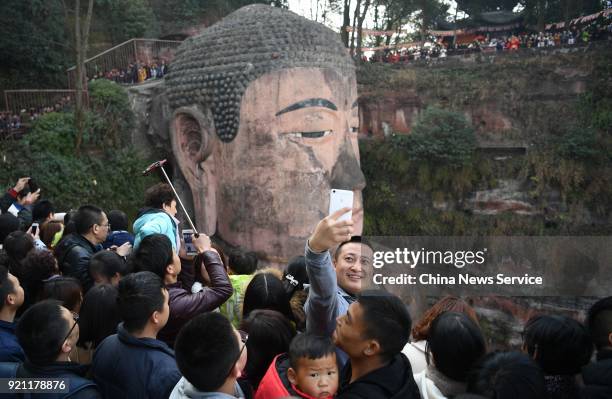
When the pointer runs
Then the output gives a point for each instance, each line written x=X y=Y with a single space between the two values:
x=311 y=102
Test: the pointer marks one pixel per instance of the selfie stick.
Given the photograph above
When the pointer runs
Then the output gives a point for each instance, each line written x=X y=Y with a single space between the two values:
x=160 y=165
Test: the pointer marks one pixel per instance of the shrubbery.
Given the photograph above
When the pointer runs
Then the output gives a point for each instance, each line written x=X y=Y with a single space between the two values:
x=440 y=136
x=106 y=174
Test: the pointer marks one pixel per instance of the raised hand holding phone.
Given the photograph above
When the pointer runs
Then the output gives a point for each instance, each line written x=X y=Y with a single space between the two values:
x=331 y=231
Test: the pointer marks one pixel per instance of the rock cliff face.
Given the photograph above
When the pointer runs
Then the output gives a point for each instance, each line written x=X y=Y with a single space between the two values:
x=518 y=104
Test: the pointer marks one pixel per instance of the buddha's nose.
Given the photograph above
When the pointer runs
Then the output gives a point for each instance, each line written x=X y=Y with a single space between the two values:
x=346 y=174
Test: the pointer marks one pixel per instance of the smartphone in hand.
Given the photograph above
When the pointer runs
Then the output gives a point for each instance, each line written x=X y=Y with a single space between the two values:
x=339 y=199
x=189 y=247
x=34 y=228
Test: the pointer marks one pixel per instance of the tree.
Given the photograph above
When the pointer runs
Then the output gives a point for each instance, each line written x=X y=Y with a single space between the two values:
x=396 y=13
x=127 y=19
x=430 y=11
x=78 y=21
x=33 y=50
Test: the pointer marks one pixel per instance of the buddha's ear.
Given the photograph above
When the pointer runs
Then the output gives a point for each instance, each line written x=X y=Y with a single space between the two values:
x=193 y=137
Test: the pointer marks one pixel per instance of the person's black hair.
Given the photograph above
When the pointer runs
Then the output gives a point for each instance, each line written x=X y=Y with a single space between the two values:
x=206 y=349
x=86 y=217
x=154 y=254
x=159 y=195
x=266 y=291
x=23 y=192
x=42 y=210
x=599 y=322
x=507 y=375
x=242 y=262
x=559 y=344
x=8 y=224
x=295 y=277
x=67 y=290
x=69 y=224
x=309 y=346
x=386 y=320
x=41 y=331
x=455 y=343
x=99 y=315
x=17 y=245
x=140 y=294
x=118 y=220
x=107 y=264
x=270 y=334
x=354 y=239
x=38 y=265
x=6 y=286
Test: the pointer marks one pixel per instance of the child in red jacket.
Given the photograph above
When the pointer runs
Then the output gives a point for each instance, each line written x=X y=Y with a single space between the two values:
x=308 y=371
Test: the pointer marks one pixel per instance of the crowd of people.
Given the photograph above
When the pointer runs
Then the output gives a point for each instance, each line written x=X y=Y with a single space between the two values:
x=137 y=72
x=12 y=123
x=595 y=30
x=138 y=314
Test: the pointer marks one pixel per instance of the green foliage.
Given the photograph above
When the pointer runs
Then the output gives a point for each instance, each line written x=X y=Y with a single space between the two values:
x=113 y=114
x=127 y=19
x=440 y=136
x=110 y=180
x=33 y=51
x=580 y=144
x=52 y=133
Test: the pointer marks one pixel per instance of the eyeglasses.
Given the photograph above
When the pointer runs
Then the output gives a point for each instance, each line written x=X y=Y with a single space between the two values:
x=75 y=317
x=244 y=342
x=107 y=225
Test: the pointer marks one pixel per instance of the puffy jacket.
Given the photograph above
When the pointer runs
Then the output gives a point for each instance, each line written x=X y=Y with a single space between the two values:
x=393 y=381
x=73 y=256
x=10 y=350
x=78 y=386
x=128 y=367
x=184 y=305
x=276 y=385
x=155 y=221
x=597 y=377
x=118 y=238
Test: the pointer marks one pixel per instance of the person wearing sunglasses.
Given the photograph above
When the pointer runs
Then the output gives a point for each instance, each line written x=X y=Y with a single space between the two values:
x=211 y=355
x=48 y=333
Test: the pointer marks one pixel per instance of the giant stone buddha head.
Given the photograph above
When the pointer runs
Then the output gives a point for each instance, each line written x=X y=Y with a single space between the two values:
x=264 y=124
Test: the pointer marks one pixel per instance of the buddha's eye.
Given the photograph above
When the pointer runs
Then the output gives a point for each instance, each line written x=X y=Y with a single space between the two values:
x=310 y=135
x=355 y=129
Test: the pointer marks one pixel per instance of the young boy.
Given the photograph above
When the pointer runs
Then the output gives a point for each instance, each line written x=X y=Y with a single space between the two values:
x=308 y=371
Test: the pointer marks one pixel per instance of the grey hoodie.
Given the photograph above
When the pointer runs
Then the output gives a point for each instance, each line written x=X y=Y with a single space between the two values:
x=184 y=390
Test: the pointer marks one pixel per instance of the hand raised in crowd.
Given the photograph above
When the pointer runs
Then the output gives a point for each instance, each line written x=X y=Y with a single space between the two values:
x=201 y=243
x=124 y=250
x=31 y=197
x=331 y=232
x=21 y=183
x=36 y=235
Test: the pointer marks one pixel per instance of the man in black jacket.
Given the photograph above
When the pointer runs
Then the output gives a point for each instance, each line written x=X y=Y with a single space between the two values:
x=75 y=251
x=373 y=333
x=48 y=332
x=597 y=376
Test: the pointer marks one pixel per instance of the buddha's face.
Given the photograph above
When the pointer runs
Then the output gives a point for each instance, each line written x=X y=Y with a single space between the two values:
x=267 y=189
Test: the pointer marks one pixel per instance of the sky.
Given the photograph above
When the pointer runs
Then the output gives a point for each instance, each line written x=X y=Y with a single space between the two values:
x=308 y=9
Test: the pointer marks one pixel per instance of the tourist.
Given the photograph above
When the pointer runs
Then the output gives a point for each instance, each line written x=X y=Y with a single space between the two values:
x=416 y=350
x=561 y=346
x=597 y=376
x=11 y=298
x=454 y=344
x=133 y=363
x=155 y=254
x=211 y=355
